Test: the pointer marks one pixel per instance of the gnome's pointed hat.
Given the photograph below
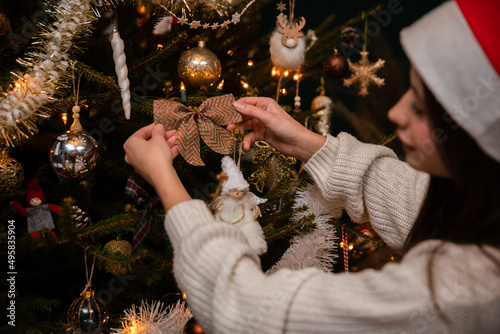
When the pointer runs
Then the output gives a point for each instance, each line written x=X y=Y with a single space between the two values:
x=34 y=190
x=235 y=179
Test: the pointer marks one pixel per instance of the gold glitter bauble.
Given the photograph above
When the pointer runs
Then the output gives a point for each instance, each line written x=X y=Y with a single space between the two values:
x=119 y=246
x=122 y=247
x=11 y=173
x=199 y=66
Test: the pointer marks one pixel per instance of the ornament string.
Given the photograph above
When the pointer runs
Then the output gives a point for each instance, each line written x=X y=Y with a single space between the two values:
x=76 y=87
x=89 y=279
x=364 y=17
x=279 y=86
x=345 y=249
x=76 y=126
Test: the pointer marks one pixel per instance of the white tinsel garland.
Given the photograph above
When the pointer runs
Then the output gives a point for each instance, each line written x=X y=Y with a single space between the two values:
x=155 y=319
x=36 y=87
x=315 y=249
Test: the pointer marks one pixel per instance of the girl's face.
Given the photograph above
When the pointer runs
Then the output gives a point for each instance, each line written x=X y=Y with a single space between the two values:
x=415 y=130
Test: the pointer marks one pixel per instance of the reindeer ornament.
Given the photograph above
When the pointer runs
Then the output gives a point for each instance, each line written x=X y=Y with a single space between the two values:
x=287 y=44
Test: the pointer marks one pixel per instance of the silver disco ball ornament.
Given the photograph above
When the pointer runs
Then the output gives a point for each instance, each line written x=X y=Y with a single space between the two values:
x=74 y=154
x=199 y=66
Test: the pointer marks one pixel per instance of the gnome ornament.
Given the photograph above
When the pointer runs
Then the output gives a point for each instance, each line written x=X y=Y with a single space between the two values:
x=37 y=211
x=236 y=205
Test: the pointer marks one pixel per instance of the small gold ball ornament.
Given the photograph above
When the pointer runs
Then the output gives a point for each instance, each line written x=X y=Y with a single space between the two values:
x=199 y=66
x=119 y=246
x=11 y=173
x=122 y=247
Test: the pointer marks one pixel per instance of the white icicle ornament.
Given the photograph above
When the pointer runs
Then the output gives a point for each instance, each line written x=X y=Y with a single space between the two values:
x=121 y=70
x=239 y=207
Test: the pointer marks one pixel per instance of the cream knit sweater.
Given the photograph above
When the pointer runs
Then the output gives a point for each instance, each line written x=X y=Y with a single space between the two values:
x=229 y=293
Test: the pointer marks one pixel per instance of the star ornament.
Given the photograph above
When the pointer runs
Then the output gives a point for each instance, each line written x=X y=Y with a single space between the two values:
x=204 y=122
x=364 y=73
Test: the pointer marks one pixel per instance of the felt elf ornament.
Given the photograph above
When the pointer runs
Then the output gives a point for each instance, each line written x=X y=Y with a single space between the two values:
x=236 y=205
x=37 y=211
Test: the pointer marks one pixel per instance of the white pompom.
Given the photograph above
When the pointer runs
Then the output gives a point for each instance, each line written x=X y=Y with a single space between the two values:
x=289 y=58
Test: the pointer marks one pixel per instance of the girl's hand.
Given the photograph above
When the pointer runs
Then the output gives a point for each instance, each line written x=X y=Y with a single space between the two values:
x=272 y=124
x=151 y=151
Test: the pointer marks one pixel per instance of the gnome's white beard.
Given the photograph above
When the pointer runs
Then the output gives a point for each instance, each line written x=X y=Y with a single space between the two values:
x=231 y=210
x=238 y=212
x=284 y=57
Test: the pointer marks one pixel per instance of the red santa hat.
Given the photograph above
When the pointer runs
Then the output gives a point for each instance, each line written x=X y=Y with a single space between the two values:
x=456 y=50
x=34 y=191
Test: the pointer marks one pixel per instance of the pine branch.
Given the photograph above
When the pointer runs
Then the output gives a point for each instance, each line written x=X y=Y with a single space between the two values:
x=305 y=225
x=38 y=303
x=65 y=219
x=95 y=76
x=159 y=54
x=115 y=224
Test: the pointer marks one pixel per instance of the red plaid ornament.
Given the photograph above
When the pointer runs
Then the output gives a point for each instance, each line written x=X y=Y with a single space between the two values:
x=205 y=122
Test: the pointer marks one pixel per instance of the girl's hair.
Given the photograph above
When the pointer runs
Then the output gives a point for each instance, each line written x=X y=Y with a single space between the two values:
x=466 y=208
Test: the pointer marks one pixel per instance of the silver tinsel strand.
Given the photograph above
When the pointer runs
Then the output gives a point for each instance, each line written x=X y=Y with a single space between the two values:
x=46 y=68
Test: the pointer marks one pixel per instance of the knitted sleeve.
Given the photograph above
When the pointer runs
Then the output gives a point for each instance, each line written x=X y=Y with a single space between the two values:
x=370 y=183
x=222 y=277
x=228 y=292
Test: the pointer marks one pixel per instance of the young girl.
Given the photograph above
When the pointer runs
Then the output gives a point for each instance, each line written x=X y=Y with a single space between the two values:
x=441 y=207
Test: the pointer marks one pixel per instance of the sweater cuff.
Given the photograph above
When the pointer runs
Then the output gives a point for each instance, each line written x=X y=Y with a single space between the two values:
x=320 y=165
x=185 y=217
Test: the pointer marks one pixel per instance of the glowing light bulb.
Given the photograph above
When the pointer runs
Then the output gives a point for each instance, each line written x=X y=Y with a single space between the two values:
x=250 y=63
x=286 y=73
x=64 y=117
x=142 y=10
x=245 y=85
x=283 y=91
x=221 y=84
x=296 y=77
x=274 y=72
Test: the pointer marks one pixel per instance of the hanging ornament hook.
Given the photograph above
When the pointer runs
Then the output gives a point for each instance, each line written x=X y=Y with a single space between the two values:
x=89 y=279
x=76 y=126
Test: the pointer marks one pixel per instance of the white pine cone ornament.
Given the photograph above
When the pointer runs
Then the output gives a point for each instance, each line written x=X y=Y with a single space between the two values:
x=81 y=219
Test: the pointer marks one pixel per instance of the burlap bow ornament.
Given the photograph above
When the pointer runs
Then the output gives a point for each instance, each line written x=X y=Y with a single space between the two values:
x=205 y=122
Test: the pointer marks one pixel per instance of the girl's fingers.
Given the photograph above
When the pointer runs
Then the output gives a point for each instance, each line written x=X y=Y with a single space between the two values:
x=249 y=139
x=171 y=141
x=252 y=111
x=145 y=132
x=170 y=133
x=175 y=151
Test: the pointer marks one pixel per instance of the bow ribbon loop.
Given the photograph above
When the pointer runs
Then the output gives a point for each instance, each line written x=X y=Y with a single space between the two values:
x=141 y=198
x=206 y=123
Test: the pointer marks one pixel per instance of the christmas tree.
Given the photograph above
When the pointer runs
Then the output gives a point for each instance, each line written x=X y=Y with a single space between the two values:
x=101 y=65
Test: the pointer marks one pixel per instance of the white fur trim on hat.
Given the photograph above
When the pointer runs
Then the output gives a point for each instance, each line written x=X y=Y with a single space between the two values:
x=235 y=179
x=453 y=65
